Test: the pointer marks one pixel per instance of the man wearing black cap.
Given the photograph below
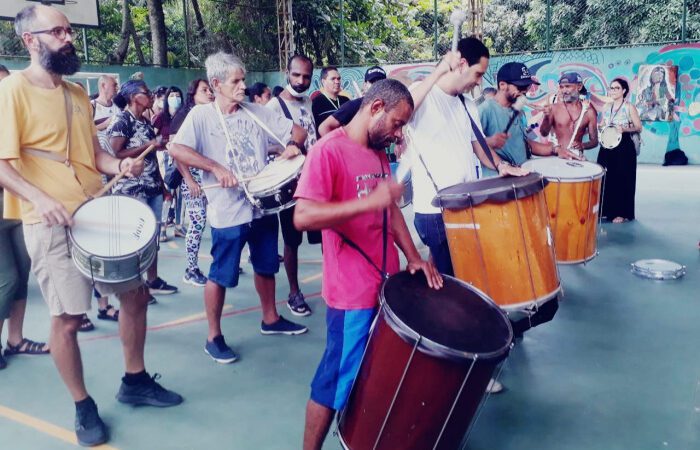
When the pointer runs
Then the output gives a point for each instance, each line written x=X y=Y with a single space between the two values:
x=564 y=118
x=346 y=112
x=503 y=124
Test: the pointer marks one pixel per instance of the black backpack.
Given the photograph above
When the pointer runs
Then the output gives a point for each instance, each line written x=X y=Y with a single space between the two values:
x=675 y=158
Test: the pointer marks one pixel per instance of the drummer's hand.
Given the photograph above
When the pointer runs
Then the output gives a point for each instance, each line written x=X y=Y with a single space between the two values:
x=384 y=195
x=515 y=171
x=290 y=152
x=547 y=110
x=51 y=211
x=194 y=188
x=448 y=63
x=568 y=154
x=431 y=273
x=498 y=140
x=133 y=167
x=224 y=176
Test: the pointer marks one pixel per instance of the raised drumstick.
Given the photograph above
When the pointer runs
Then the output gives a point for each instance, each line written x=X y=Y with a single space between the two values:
x=121 y=174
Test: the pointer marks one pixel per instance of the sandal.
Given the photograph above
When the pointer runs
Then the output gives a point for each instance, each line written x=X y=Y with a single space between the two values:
x=86 y=324
x=620 y=219
x=109 y=313
x=26 y=347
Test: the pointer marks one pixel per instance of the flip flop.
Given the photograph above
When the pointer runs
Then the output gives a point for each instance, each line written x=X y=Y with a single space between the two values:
x=104 y=314
x=26 y=347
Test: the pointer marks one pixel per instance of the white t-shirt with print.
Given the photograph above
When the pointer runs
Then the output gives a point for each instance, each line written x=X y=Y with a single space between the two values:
x=301 y=114
x=201 y=131
x=440 y=132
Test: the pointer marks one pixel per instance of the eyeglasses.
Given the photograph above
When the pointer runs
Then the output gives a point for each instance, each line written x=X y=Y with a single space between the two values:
x=614 y=88
x=57 y=32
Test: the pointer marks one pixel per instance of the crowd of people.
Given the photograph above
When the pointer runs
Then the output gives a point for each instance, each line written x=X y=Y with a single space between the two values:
x=219 y=132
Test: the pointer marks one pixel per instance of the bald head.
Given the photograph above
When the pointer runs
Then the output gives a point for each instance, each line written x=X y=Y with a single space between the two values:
x=38 y=17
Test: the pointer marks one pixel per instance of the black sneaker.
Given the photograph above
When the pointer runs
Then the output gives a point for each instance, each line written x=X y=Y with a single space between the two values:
x=297 y=305
x=159 y=286
x=148 y=393
x=89 y=428
x=282 y=326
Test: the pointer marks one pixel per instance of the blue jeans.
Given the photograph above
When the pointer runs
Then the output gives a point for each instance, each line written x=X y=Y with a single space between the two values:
x=431 y=230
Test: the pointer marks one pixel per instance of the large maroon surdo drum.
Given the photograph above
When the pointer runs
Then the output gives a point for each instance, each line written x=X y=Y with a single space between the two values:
x=428 y=361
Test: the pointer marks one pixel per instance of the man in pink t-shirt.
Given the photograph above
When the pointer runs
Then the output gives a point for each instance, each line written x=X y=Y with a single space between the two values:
x=343 y=192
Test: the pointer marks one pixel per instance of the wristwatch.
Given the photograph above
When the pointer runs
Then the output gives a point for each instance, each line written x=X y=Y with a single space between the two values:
x=301 y=147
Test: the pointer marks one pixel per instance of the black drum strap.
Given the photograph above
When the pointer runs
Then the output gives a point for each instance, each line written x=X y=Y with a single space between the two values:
x=385 y=238
x=479 y=135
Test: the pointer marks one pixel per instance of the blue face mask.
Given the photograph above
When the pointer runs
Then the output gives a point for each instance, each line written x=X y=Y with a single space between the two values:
x=174 y=102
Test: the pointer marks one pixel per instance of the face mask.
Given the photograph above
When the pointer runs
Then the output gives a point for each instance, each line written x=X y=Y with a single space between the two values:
x=294 y=93
x=174 y=102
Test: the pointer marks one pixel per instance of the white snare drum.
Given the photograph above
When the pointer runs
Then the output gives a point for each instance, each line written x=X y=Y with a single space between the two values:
x=113 y=238
x=610 y=137
x=572 y=195
x=657 y=269
x=273 y=188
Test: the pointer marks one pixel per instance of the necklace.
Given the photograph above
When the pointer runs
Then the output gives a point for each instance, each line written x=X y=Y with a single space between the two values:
x=335 y=104
x=573 y=120
x=614 y=114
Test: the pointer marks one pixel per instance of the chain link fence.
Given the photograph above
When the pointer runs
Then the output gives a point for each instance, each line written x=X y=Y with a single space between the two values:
x=361 y=32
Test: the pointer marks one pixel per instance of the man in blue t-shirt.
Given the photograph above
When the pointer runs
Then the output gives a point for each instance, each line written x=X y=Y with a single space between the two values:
x=510 y=142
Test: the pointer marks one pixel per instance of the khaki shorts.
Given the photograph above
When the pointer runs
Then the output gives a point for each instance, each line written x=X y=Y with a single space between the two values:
x=65 y=289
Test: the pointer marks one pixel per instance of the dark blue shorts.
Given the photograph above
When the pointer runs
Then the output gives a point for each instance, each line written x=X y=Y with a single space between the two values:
x=348 y=331
x=227 y=245
x=431 y=229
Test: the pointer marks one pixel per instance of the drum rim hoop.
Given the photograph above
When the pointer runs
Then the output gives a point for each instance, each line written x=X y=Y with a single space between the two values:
x=618 y=135
x=76 y=245
x=650 y=274
x=434 y=348
x=267 y=190
x=552 y=179
x=530 y=185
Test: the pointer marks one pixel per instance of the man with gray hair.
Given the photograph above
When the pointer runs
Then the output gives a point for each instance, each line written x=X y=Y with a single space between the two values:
x=53 y=176
x=224 y=139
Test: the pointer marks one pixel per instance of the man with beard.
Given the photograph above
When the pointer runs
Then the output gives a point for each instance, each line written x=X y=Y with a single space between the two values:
x=343 y=192
x=564 y=115
x=295 y=105
x=52 y=176
x=496 y=113
x=442 y=144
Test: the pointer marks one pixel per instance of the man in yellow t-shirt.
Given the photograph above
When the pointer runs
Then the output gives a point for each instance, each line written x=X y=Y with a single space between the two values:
x=34 y=145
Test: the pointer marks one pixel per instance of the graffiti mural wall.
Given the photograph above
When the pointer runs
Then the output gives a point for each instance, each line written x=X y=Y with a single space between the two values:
x=598 y=68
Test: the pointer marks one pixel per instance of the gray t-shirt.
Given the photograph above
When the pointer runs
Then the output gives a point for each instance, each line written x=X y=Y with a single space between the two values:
x=202 y=132
x=301 y=114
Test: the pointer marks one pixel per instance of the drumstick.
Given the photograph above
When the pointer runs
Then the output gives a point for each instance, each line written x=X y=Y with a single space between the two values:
x=121 y=174
x=457 y=18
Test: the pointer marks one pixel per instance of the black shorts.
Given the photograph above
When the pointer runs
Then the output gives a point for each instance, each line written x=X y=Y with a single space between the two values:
x=291 y=236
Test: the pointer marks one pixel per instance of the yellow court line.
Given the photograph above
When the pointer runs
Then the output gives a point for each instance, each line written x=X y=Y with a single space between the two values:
x=45 y=427
x=312 y=278
x=201 y=315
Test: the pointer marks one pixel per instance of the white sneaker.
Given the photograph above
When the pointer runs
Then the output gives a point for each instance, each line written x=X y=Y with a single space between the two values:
x=494 y=386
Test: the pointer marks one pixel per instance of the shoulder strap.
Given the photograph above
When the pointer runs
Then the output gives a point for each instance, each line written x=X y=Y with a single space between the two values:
x=94 y=107
x=261 y=124
x=477 y=132
x=285 y=109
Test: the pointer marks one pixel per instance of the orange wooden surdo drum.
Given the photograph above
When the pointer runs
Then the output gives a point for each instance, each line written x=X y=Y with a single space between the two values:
x=429 y=358
x=500 y=241
x=572 y=195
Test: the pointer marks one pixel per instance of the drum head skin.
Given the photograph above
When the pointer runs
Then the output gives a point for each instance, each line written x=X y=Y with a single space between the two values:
x=610 y=137
x=276 y=173
x=658 y=269
x=457 y=316
x=114 y=225
x=564 y=170
x=498 y=190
